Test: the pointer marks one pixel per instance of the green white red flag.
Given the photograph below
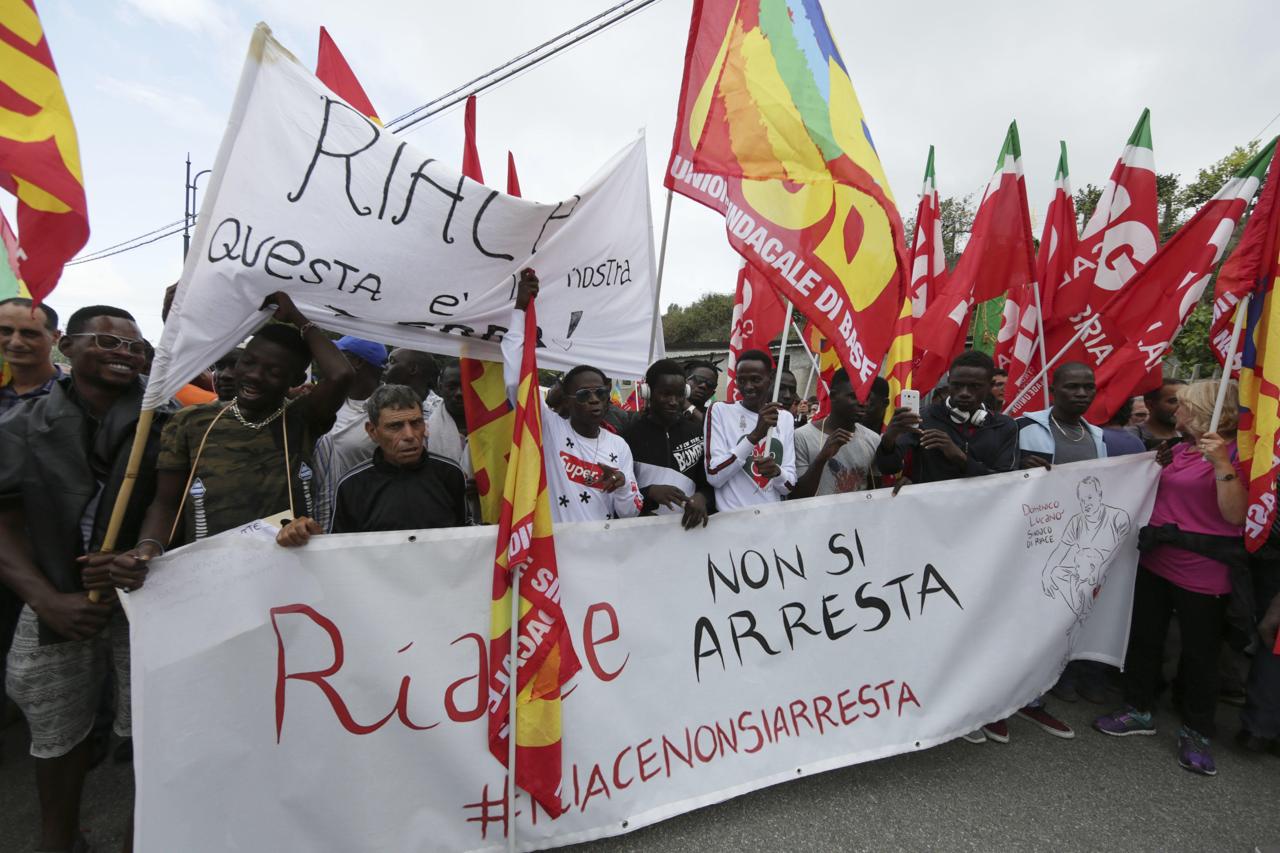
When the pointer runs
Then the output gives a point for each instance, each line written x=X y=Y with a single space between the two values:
x=1017 y=345
x=1119 y=239
x=1140 y=324
x=759 y=315
x=999 y=257
x=927 y=259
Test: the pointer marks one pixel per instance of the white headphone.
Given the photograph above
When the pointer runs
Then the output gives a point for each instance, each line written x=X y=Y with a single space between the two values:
x=974 y=418
x=643 y=388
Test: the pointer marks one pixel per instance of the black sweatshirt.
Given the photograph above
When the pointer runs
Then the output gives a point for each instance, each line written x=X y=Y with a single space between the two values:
x=989 y=448
x=377 y=495
x=679 y=448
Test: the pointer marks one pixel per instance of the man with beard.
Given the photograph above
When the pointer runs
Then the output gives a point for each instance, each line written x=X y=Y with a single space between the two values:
x=668 y=450
x=750 y=450
x=589 y=470
x=702 y=377
x=62 y=462
x=1161 y=423
x=834 y=455
x=224 y=465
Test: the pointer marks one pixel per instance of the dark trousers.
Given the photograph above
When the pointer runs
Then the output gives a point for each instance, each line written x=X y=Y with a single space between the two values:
x=1200 y=625
x=1261 y=714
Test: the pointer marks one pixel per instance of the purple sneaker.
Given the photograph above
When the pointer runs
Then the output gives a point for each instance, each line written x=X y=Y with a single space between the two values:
x=1127 y=721
x=1194 y=754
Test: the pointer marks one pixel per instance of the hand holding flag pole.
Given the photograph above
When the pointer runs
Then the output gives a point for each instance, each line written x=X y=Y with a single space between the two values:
x=1242 y=311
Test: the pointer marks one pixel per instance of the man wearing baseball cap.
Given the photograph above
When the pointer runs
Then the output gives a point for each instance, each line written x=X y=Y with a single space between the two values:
x=347 y=444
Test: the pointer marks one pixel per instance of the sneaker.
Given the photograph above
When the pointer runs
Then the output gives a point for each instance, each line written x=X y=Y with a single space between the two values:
x=997 y=731
x=975 y=736
x=1193 y=753
x=1046 y=721
x=1126 y=721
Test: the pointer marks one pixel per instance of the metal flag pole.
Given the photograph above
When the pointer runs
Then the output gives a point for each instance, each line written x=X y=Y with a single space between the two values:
x=1022 y=395
x=1241 y=311
x=512 y=695
x=813 y=359
x=657 y=290
x=1035 y=289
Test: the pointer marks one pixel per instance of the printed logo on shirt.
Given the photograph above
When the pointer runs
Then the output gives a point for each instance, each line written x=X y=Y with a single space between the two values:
x=581 y=471
x=766 y=447
x=688 y=454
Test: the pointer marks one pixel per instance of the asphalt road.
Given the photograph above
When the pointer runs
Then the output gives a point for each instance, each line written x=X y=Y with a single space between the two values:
x=1035 y=793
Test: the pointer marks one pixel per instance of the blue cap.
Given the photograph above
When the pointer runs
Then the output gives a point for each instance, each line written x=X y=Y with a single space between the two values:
x=370 y=352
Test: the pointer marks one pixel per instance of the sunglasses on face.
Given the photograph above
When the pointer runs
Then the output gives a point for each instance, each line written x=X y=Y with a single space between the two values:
x=109 y=343
x=585 y=395
x=698 y=380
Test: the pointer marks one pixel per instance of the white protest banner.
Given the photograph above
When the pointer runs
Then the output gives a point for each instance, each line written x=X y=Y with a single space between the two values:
x=372 y=238
x=333 y=697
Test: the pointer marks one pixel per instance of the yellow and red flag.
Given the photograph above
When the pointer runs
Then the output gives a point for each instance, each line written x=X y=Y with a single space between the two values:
x=333 y=71
x=39 y=154
x=770 y=134
x=545 y=655
x=1253 y=269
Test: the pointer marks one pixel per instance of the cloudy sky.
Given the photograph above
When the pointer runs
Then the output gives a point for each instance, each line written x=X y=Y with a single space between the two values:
x=150 y=80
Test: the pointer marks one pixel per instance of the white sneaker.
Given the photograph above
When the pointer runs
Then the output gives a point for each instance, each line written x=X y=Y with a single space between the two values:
x=975 y=736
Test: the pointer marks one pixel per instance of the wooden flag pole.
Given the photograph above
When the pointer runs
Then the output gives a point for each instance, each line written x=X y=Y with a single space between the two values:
x=140 y=434
x=513 y=693
x=1241 y=311
x=657 y=289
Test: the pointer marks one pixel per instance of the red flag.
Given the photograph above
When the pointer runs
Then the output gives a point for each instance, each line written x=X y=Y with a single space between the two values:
x=470 y=156
x=334 y=72
x=1138 y=326
x=513 y=180
x=828 y=364
x=545 y=657
x=1018 y=345
x=770 y=134
x=1119 y=239
x=998 y=258
x=39 y=153
x=928 y=262
x=758 y=316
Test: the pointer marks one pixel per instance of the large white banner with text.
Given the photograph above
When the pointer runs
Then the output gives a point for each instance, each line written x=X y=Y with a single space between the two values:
x=371 y=237
x=332 y=697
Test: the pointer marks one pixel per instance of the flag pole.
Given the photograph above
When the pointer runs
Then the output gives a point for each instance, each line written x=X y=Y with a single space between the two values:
x=782 y=353
x=1035 y=289
x=1241 y=310
x=808 y=386
x=657 y=290
x=512 y=695
x=140 y=434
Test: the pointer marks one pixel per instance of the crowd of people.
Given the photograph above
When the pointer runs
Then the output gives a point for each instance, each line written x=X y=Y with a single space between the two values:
x=325 y=437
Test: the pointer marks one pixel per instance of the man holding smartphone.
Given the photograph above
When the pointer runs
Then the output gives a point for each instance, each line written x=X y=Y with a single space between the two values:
x=750 y=450
x=955 y=437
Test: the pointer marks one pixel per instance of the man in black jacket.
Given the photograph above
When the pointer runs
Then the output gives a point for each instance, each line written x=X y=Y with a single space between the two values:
x=956 y=437
x=667 y=449
x=403 y=487
x=62 y=460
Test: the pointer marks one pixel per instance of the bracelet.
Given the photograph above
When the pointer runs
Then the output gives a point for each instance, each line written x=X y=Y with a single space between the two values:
x=155 y=542
x=306 y=327
x=1225 y=478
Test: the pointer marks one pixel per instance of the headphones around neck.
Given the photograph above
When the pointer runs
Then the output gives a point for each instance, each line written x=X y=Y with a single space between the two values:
x=974 y=418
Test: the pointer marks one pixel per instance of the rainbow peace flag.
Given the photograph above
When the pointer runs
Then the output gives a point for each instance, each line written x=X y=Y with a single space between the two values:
x=546 y=656
x=770 y=133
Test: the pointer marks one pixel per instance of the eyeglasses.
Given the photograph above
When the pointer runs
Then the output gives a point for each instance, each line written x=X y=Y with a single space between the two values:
x=584 y=395
x=699 y=380
x=110 y=343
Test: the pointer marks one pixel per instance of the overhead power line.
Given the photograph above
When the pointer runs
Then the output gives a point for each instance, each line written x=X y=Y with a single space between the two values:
x=494 y=77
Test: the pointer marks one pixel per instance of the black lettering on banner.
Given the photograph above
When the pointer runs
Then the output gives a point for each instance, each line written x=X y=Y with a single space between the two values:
x=244 y=252
x=316 y=262
x=375 y=290
x=341 y=313
x=840 y=549
x=443 y=301
x=346 y=268
x=554 y=216
x=493 y=331
x=829 y=618
x=869 y=602
x=346 y=157
x=449 y=329
x=386 y=185
x=230 y=248
x=748 y=631
x=292 y=260
x=789 y=625
x=902 y=593
x=704 y=631
x=475 y=231
x=454 y=196
x=925 y=590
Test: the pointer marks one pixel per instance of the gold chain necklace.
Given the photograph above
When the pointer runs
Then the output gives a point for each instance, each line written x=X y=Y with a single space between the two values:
x=235 y=410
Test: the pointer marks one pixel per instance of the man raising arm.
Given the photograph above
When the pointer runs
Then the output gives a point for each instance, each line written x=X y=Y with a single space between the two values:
x=750 y=453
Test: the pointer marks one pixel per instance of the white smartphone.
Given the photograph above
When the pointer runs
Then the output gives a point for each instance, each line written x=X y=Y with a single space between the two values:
x=911 y=399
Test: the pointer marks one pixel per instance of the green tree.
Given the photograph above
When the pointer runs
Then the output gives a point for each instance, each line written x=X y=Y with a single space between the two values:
x=1086 y=201
x=957 y=218
x=1169 y=202
x=706 y=319
x=1191 y=346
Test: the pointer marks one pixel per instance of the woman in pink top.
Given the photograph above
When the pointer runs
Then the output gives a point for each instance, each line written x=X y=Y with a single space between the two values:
x=1202 y=492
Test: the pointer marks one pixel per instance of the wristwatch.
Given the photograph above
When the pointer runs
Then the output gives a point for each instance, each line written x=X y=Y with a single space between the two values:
x=1225 y=478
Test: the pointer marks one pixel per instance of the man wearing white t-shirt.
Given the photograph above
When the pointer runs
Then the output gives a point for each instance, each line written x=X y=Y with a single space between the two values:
x=750 y=450
x=590 y=476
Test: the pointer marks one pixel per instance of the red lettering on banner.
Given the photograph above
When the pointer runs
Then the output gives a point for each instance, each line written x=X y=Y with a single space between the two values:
x=704 y=756
x=822 y=711
x=802 y=714
x=685 y=757
x=618 y=783
x=590 y=641
x=904 y=696
x=595 y=787
x=645 y=777
x=754 y=729
x=845 y=708
x=482 y=665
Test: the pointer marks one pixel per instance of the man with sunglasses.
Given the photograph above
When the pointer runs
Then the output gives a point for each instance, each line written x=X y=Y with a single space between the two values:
x=702 y=378
x=589 y=470
x=62 y=460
